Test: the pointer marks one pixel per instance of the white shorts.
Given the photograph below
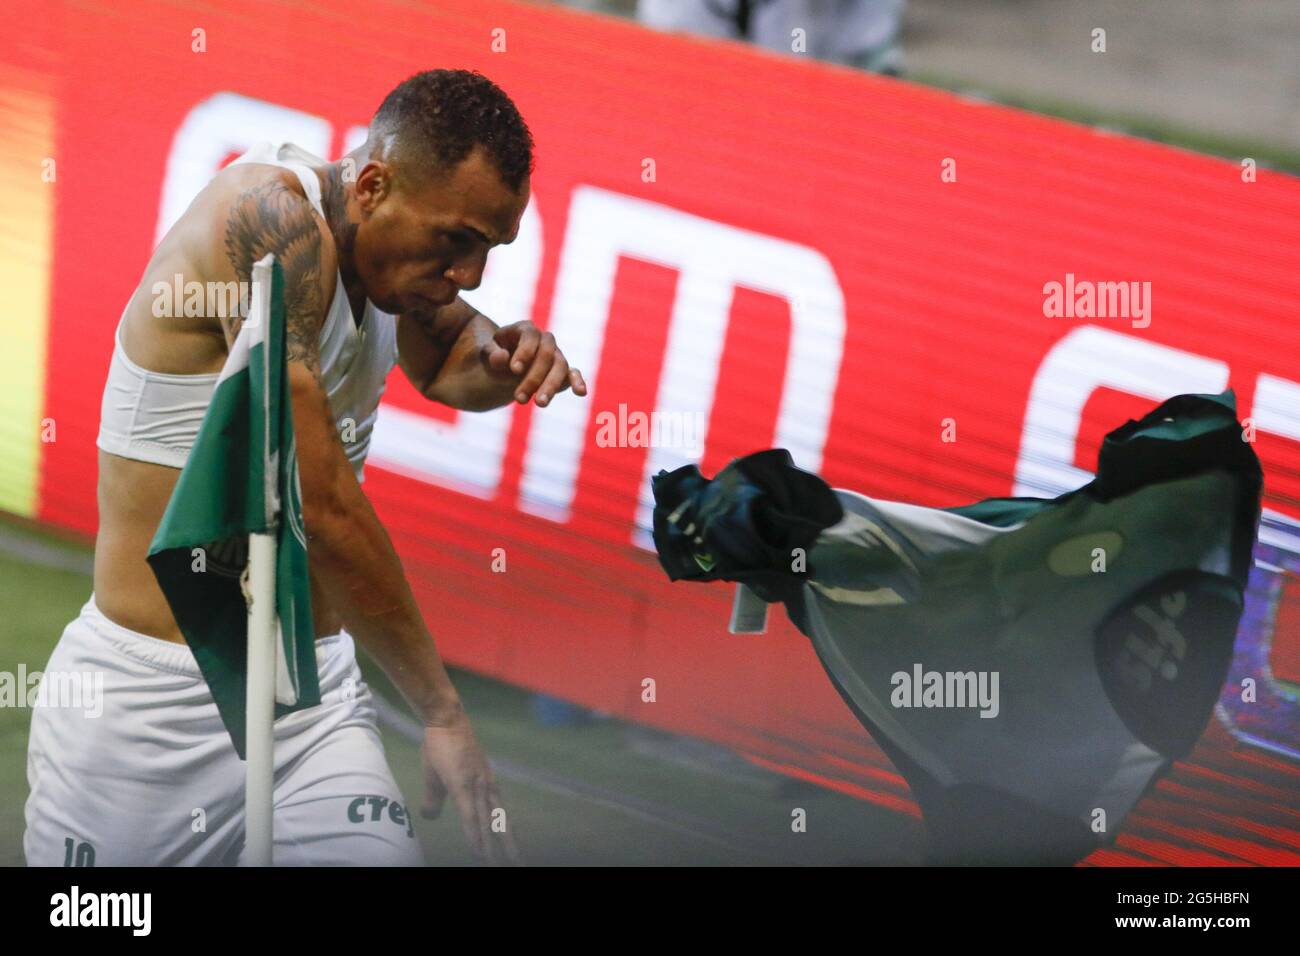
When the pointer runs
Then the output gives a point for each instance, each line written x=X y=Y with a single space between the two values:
x=144 y=773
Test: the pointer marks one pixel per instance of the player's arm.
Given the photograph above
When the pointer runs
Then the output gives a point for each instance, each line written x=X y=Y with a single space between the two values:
x=461 y=358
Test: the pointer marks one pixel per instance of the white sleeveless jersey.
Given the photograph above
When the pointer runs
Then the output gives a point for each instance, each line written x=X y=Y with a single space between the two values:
x=154 y=417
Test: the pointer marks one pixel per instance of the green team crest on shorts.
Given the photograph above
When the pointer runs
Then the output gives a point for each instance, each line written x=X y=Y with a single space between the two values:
x=241 y=477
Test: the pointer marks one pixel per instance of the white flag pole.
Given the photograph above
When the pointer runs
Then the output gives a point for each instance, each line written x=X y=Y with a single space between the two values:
x=748 y=612
x=260 y=705
x=259 y=709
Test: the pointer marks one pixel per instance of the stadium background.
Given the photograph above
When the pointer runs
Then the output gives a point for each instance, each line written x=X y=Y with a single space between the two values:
x=796 y=271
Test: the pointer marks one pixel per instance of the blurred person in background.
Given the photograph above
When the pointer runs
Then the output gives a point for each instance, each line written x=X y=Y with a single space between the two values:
x=859 y=33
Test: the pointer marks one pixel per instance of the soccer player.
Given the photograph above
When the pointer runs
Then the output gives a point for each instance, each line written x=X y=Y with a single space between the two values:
x=375 y=249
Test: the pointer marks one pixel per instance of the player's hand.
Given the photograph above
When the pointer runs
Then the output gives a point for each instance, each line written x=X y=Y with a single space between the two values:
x=454 y=764
x=524 y=350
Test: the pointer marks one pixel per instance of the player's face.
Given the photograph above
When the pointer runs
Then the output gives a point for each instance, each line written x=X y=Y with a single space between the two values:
x=422 y=244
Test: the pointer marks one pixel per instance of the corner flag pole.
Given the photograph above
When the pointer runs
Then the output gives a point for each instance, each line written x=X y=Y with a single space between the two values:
x=263 y=623
x=260 y=709
x=748 y=612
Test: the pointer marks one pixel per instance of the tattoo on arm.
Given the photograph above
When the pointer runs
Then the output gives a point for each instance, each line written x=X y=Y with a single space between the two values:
x=271 y=218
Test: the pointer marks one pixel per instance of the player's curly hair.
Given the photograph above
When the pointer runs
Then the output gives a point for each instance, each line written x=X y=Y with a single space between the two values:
x=437 y=117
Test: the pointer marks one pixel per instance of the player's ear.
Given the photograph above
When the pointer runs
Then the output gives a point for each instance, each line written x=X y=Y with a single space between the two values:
x=374 y=184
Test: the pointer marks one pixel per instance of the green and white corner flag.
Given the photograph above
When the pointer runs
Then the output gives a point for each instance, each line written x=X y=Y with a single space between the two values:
x=241 y=478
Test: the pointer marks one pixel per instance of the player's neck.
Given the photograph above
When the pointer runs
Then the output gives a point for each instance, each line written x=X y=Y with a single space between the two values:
x=336 y=200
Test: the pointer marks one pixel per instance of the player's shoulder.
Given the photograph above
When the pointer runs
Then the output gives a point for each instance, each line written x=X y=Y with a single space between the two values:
x=261 y=208
x=271 y=198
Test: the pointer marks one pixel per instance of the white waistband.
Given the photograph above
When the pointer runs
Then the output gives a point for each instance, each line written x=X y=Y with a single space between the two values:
x=177 y=658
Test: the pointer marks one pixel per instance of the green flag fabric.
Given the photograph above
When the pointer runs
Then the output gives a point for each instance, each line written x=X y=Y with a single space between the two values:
x=241 y=478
